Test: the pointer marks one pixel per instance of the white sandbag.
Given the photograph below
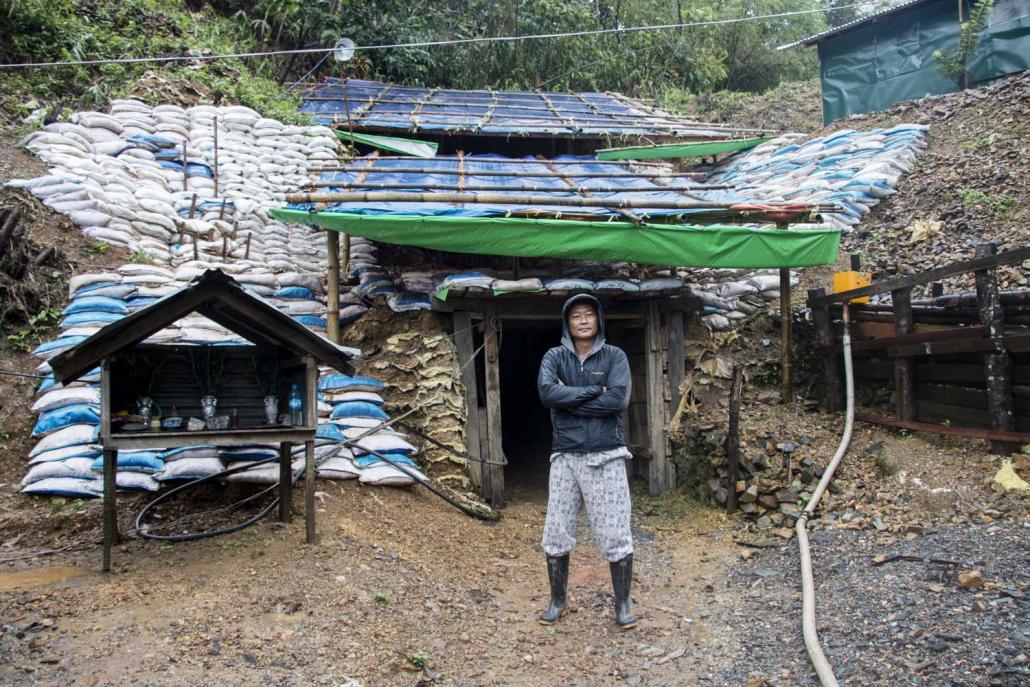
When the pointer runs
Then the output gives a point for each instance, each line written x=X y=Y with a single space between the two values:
x=384 y=474
x=66 y=436
x=58 y=398
x=90 y=218
x=764 y=282
x=69 y=468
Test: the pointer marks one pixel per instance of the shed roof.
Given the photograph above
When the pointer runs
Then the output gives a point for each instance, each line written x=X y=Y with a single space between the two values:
x=219 y=298
x=373 y=106
x=854 y=24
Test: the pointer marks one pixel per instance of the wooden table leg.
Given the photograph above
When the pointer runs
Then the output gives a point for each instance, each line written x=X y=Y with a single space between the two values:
x=285 y=481
x=110 y=506
x=309 y=491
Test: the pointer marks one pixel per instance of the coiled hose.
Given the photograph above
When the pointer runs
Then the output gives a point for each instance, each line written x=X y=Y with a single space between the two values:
x=808 y=626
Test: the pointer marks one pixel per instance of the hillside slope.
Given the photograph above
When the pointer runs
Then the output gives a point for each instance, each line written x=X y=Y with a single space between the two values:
x=968 y=187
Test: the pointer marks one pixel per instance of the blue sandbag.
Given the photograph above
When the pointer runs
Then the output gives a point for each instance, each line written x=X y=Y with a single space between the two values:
x=59 y=343
x=138 y=461
x=339 y=382
x=369 y=460
x=96 y=304
x=299 y=292
x=358 y=409
x=327 y=430
x=78 y=414
x=91 y=317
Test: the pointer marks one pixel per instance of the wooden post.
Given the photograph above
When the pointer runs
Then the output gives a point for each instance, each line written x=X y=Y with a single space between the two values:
x=493 y=486
x=214 y=173
x=833 y=401
x=285 y=482
x=185 y=168
x=310 y=421
x=786 y=338
x=733 y=437
x=193 y=207
x=661 y=474
x=997 y=364
x=110 y=467
x=677 y=354
x=110 y=505
x=332 y=241
x=464 y=346
x=904 y=368
x=246 y=254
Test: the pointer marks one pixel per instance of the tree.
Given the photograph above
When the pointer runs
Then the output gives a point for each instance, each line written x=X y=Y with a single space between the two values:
x=952 y=64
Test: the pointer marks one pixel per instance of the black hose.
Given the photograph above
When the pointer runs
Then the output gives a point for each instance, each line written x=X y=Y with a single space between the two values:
x=145 y=532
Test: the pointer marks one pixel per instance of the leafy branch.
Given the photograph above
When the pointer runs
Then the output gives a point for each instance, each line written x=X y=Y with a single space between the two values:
x=953 y=64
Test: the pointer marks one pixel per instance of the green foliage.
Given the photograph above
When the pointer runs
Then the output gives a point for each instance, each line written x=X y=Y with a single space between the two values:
x=418 y=658
x=952 y=64
x=98 y=248
x=738 y=56
x=883 y=467
x=384 y=597
x=1001 y=206
x=34 y=330
x=142 y=257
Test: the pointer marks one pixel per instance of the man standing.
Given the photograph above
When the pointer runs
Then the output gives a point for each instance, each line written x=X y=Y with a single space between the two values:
x=586 y=384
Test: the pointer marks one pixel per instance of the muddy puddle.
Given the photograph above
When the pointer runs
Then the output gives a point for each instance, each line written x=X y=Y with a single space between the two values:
x=40 y=577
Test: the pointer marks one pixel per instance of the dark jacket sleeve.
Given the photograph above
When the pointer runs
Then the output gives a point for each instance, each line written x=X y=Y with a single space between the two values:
x=616 y=399
x=559 y=396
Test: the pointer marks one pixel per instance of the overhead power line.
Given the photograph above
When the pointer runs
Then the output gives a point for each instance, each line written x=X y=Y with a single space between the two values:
x=427 y=44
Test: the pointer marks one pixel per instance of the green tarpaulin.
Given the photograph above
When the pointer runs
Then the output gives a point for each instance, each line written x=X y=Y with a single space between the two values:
x=677 y=150
x=404 y=146
x=652 y=244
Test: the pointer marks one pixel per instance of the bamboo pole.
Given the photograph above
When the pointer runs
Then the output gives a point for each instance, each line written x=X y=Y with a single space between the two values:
x=332 y=239
x=499 y=187
x=524 y=161
x=492 y=199
x=504 y=173
x=215 y=170
x=185 y=168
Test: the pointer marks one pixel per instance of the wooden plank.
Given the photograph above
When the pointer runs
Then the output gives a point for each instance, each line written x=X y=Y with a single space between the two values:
x=676 y=354
x=911 y=339
x=978 y=263
x=332 y=240
x=223 y=437
x=661 y=475
x=942 y=348
x=464 y=347
x=110 y=505
x=495 y=470
x=311 y=420
x=997 y=363
x=904 y=368
x=733 y=436
x=971 y=432
x=109 y=468
x=285 y=482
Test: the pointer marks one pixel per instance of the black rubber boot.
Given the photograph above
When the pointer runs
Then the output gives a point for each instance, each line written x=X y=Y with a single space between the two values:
x=622 y=578
x=558 y=576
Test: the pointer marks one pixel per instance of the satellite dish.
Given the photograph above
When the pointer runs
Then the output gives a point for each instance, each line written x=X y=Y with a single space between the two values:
x=343 y=51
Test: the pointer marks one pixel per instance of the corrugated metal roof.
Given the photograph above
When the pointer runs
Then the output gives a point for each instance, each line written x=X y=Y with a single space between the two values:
x=820 y=37
x=376 y=107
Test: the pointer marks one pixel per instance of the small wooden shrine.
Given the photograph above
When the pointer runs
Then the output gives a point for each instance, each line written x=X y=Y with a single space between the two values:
x=281 y=354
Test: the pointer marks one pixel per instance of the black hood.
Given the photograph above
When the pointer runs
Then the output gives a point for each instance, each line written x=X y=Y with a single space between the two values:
x=566 y=337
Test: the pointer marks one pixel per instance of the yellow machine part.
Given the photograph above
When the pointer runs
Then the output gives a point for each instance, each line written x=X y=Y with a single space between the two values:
x=846 y=281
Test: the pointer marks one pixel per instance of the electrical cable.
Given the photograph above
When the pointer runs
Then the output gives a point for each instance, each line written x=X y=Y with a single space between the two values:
x=426 y=44
x=808 y=625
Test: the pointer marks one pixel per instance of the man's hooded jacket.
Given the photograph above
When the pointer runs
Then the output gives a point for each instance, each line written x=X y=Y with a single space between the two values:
x=584 y=416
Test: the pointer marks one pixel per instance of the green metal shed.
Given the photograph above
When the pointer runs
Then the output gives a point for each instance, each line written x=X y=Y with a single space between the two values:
x=871 y=63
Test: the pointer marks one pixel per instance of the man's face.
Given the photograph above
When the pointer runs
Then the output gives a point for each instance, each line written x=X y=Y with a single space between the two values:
x=582 y=321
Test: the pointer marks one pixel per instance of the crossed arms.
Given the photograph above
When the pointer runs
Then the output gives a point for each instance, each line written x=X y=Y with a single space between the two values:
x=586 y=401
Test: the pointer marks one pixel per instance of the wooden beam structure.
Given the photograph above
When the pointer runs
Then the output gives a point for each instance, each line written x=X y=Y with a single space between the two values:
x=833 y=401
x=980 y=262
x=310 y=420
x=970 y=432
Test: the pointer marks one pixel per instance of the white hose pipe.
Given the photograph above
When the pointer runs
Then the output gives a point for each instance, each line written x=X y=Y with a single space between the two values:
x=815 y=650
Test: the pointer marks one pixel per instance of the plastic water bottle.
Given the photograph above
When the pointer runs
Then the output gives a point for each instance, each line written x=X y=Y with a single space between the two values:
x=296 y=408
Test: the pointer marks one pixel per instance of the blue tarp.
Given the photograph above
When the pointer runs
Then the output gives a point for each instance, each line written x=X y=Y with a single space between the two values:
x=580 y=174
x=372 y=105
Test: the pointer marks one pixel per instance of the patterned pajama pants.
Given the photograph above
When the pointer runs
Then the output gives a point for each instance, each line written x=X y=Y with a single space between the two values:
x=605 y=490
